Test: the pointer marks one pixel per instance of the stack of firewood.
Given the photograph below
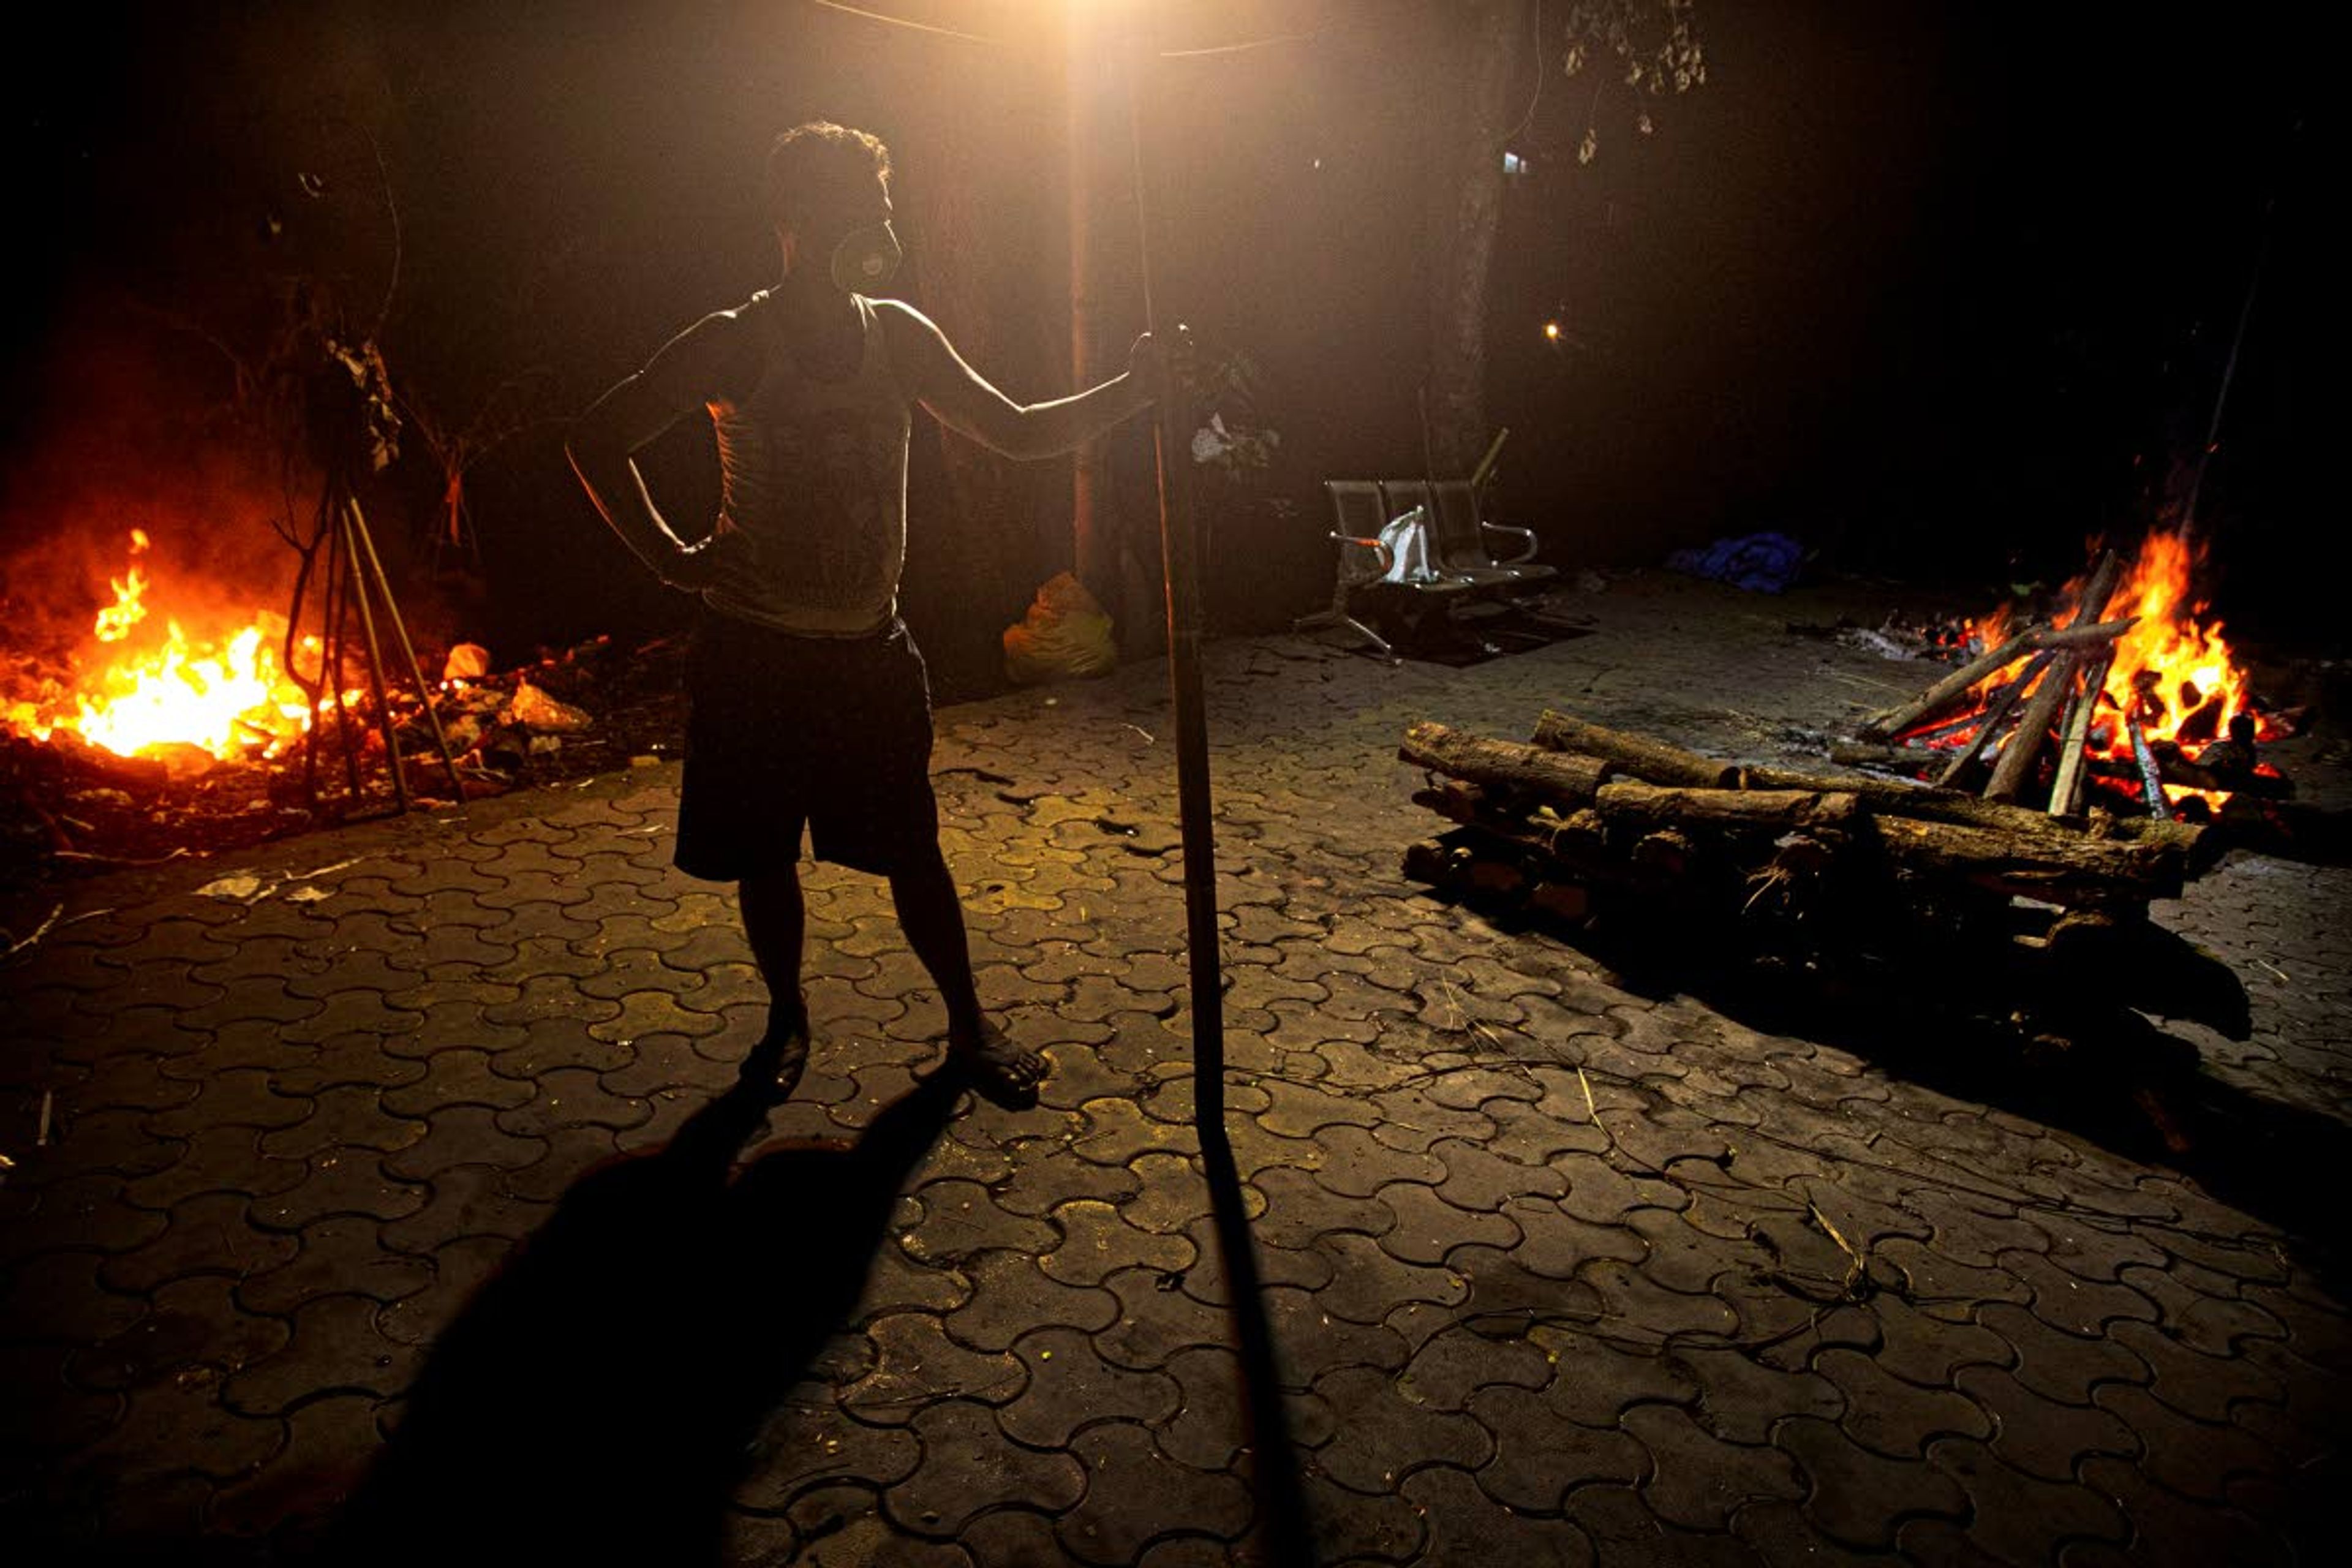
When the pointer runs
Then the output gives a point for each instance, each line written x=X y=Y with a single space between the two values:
x=1584 y=815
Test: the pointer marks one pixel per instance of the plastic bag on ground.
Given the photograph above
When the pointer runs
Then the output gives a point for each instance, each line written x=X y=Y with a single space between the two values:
x=1065 y=634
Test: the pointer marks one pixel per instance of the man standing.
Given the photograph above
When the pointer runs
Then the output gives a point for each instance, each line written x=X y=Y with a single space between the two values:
x=810 y=703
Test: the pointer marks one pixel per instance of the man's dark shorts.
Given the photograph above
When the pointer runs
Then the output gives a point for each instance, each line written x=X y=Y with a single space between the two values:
x=830 y=732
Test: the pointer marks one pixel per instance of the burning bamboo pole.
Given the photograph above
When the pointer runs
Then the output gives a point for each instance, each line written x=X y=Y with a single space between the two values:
x=2066 y=790
x=2024 y=749
x=1995 y=712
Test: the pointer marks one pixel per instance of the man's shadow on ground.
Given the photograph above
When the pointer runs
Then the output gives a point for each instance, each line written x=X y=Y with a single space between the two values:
x=596 y=1400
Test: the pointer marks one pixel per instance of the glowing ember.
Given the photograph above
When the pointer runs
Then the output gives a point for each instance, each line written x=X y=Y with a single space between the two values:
x=226 y=695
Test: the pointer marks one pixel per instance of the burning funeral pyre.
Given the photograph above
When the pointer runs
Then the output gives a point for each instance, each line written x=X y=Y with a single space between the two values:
x=183 y=723
x=2128 y=695
x=2077 y=767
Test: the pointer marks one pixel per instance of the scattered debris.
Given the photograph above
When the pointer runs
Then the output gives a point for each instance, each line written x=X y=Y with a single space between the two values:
x=38 y=932
x=239 y=890
x=49 y=1108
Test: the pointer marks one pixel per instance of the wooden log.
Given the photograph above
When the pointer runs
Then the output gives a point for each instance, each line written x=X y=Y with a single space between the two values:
x=1653 y=760
x=2066 y=791
x=2101 y=635
x=1453 y=800
x=1563 y=781
x=1912 y=760
x=2015 y=769
x=1997 y=710
x=1632 y=804
x=2091 y=605
x=2063 y=868
x=1949 y=689
x=1665 y=853
x=1883 y=797
x=2151 y=779
x=1581 y=841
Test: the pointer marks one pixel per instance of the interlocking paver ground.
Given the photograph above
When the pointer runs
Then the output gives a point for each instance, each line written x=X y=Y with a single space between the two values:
x=425 y=1196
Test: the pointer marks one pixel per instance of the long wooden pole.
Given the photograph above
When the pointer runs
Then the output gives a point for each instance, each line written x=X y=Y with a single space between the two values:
x=1289 y=1536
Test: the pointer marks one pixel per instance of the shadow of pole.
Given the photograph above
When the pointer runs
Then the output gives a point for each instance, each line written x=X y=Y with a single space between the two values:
x=1289 y=1536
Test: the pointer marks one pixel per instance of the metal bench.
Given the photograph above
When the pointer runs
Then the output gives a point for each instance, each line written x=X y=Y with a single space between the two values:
x=1362 y=508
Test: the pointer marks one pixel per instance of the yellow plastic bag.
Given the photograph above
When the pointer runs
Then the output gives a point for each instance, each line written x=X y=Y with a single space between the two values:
x=1065 y=634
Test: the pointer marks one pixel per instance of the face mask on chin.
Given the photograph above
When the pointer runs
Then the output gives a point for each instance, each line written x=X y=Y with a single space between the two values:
x=866 y=259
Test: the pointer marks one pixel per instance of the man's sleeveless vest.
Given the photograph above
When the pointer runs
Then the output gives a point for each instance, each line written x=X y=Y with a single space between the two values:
x=816 y=478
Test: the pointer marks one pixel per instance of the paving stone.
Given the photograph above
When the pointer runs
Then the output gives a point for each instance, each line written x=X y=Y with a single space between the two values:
x=1466 y=1525
x=340 y=1180
x=1452 y=1365
x=218 y=1159
x=2195 y=1458
x=1858 y=1497
x=2041 y=1437
x=1427 y=1228
x=2095 y=1251
x=2077 y=1305
x=1779 y=1535
x=2168 y=1528
x=193 y=1331
x=1357 y=1166
x=937 y=1500
x=1367 y=1283
x=1206 y=1426
x=1017 y=1538
x=345 y=1115
x=1929 y=1348
x=1631 y=1297
x=1046 y=1175
x=1482 y=1182
x=468 y=1201
x=1011 y=1295
x=341 y=1254
x=960 y=1219
x=1623 y=1530
x=1739 y=1399
x=1134 y=1494
x=1698 y=1480
x=1381 y=1434
x=1934 y=1280
x=336 y=1345
x=1155 y=1321
x=1310 y=1341
x=2016 y=1517
x=571 y=1154
x=1894 y=1417
x=2059 y=1365
x=917 y=1364
x=803 y=1446
x=460 y=1269
x=178 y=1425
x=1539 y=1455
x=234 y=1097
x=1096 y=1243
x=1410 y=1120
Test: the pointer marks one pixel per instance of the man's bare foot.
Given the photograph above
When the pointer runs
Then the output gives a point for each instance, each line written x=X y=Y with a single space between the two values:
x=772 y=1068
x=1005 y=1072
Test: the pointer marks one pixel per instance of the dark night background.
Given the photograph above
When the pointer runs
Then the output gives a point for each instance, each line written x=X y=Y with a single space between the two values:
x=1943 y=290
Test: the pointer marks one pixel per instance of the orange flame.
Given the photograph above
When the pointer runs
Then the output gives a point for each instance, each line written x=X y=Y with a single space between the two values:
x=115 y=621
x=2173 y=666
x=226 y=695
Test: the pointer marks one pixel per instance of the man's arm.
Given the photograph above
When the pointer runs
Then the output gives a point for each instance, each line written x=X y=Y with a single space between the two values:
x=689 y=372
x=961 y=399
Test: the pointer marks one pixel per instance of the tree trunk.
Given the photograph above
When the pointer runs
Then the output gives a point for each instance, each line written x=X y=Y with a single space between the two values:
x=1477 y=106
